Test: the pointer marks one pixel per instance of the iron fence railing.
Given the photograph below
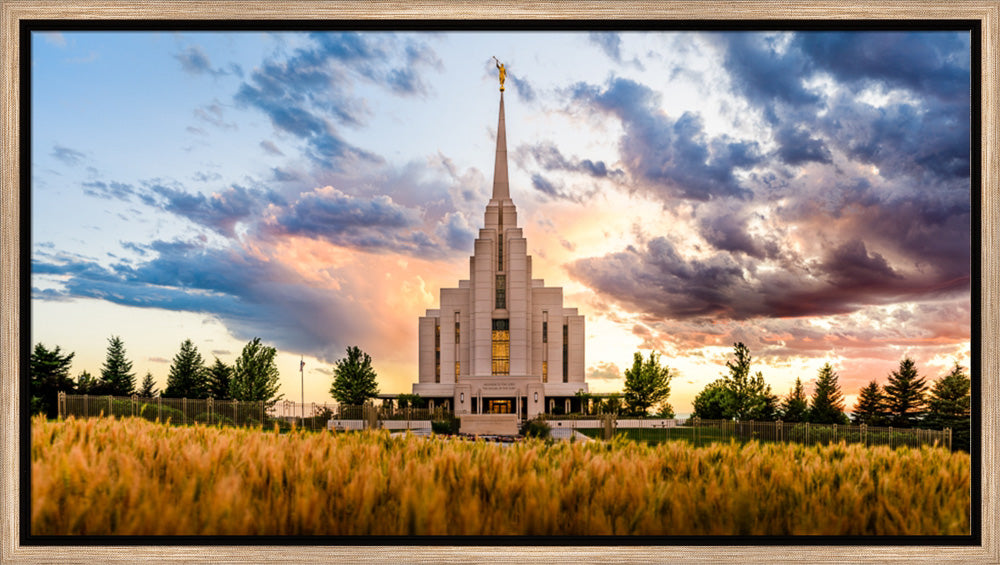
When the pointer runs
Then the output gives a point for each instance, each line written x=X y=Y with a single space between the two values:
x=703 y=432
x=179 y=411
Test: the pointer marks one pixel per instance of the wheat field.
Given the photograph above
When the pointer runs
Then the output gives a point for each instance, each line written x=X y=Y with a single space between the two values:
x=131 y=476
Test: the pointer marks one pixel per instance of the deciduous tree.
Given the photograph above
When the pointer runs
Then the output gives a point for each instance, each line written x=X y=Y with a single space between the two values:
x=354 y=378
x=647 y=383
x=255 y=375
x=713 y=402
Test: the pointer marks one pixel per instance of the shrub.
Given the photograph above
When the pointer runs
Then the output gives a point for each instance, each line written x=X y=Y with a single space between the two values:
x=536 y=427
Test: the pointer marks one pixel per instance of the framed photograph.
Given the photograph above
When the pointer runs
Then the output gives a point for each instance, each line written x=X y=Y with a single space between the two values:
x=430 y=283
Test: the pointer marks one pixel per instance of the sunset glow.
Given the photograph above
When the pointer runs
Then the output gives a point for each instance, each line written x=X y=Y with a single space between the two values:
x=805 y=193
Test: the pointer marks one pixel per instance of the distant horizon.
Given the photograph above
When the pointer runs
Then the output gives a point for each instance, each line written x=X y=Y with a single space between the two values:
x=806 y=193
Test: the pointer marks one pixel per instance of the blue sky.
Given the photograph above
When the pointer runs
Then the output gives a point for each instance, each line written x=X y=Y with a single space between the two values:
x=806 y=193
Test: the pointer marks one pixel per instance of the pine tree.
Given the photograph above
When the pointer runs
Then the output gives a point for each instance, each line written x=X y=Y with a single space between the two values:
x=49 y=376
x=870 y=409
x=647 y=383
x=147 y=390
x=255 y=375
x=949 y=405
x=87 y=384
x=117 y=378
x=795 y=407
x=354 y=378
x=827 y=400
x=187 y=374
x=220 y=376
x=905 y=395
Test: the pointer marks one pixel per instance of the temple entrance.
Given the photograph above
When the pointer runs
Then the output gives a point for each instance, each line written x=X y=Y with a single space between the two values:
x=499 y=406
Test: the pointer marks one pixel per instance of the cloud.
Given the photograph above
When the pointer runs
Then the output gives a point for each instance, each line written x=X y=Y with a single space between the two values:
x=252 y=295
x=548 y=156
x=54 y=38
x=375 y=223
x=109 y=191
x=674 y=158
x=212 y=114
x=309 y=93
x=604 y=371
x=659 y=282
x=270 y=148
x=456 y=232
x=194 y=61
x=220 y=211
x=67 y=155
x=610 y=43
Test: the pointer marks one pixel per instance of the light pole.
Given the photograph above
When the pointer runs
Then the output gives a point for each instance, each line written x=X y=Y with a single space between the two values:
x=302 y=375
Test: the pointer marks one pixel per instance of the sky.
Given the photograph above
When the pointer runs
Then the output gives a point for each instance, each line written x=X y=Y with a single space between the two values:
x=807 y=194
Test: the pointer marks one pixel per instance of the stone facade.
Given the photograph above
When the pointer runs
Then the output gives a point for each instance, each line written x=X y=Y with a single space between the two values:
x=501 y=342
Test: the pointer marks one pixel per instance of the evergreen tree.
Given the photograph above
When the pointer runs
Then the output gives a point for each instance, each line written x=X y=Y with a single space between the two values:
x=795 y=407
x=87 y=384
x=949 y=405
x=354 y=378
x=49 y=376
x=870 y=409
x=219 y=377
x=187 y=374
x=647 y=383
x=255 y=375
x=905 y=395
x=827 y=401
x=147 y=390
x=713 y=402
x=117 y=378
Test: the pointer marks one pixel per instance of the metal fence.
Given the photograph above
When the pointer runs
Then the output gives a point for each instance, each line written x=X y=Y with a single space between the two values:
x=704 y=432
x=175 y=410
x=313 y=416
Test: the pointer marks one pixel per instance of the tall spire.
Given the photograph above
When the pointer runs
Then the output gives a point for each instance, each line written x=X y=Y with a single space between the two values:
x=501 y=190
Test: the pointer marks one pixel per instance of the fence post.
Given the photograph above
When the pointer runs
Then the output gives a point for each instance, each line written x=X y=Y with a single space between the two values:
x=948 y=435
x=808 y=439
x=61 y=404
x=159 y=408
x=781 y=431
x=184 y=409
x=864 y=434
x=236 y=410
x=135 y=404
x=890 y=437
x=86 y=405
x=210 y=405
x=111 y=410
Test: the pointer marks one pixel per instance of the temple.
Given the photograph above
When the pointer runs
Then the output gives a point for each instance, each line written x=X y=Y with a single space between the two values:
x=501 y=342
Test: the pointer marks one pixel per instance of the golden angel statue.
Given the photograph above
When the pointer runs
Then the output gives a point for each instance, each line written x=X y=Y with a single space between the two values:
x=503 y=72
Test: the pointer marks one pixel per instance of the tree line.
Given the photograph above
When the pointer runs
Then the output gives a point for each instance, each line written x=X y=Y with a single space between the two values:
x=905 y=401
x=252 y=377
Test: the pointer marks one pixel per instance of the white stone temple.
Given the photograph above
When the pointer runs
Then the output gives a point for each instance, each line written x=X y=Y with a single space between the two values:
x=502 y=342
